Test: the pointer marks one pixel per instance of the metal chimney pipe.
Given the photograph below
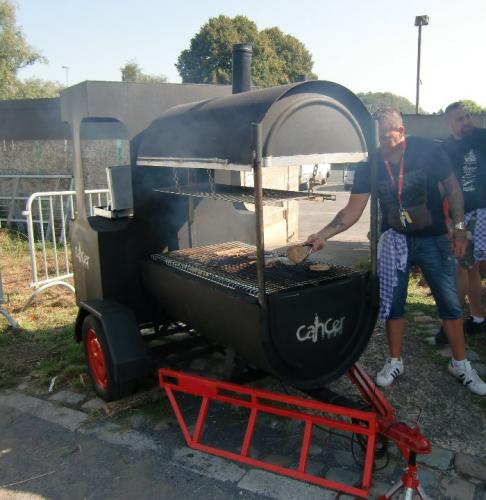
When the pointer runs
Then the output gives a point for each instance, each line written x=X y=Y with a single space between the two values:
x=242 y=67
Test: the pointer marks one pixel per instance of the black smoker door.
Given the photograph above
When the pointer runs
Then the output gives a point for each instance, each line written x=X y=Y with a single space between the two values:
x=316 y=334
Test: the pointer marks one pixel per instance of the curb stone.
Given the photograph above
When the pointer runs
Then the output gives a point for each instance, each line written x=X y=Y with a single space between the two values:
x=471 y=466
x=440 y=458
x=68 y=397
x=457 y=489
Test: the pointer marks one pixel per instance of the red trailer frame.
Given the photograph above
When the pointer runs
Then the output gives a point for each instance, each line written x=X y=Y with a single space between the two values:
x=366 y=423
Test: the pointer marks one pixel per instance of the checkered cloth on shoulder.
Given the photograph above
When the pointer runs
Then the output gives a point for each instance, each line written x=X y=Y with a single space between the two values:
x=392 y=257
x=479 y=233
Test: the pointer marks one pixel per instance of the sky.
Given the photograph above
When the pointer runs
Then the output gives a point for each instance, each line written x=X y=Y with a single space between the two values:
x=365 y=45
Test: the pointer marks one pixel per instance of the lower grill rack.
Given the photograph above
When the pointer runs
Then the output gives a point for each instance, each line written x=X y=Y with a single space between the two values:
x=233 y=265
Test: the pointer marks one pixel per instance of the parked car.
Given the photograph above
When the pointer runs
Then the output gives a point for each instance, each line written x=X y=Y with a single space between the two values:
x=348 y=175
x=313 y=174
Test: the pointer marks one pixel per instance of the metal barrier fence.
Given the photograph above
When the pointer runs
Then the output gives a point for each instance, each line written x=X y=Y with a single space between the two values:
x=47 y=215
x=3 y=311
x=16 y=187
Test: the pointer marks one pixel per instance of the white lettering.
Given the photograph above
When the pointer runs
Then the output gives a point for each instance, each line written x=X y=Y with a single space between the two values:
x=469 y=171
x=319 y=330
x=82 y=258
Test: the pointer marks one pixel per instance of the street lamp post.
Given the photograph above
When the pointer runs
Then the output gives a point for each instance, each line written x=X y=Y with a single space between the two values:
x=67 y=74
x=419 y=21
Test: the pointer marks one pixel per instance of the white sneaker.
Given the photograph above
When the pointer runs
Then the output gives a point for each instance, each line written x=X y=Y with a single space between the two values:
x=469 y=377
x=389 y=372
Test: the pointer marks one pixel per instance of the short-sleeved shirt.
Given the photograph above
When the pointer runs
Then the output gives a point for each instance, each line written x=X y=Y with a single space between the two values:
x=425 y=165
x=468 y=157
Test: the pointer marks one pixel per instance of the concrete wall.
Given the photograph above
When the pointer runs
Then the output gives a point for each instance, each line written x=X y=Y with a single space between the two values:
x=35 y=157
x=41 y=157
x=434 y=126
x=55 y=157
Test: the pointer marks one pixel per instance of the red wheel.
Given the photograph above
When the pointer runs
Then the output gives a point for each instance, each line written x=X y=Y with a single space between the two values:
x=96 y=359
x=100 y=362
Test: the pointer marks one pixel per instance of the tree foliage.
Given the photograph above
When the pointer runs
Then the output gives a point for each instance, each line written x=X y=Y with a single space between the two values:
x=35 y=88
x=472 y=106
x=277 y=58
x=377 y=100
x=132 y=72
x=15 y=54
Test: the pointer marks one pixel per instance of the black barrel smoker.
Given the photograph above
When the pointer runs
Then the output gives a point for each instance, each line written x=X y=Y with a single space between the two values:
x=193 y=252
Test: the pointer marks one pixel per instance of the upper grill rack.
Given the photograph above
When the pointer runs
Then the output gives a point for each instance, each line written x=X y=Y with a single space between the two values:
x=233 y=265
x=243 y=194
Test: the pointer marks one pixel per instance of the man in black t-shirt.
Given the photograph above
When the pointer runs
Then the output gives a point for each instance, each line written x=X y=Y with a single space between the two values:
x=466 y=149
x=414 y=232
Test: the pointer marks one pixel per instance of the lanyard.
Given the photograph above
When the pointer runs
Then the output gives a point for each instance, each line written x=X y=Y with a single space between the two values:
x=400 y=177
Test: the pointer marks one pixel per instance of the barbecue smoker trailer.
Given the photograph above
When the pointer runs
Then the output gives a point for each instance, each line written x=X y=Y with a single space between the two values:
x=193 y=252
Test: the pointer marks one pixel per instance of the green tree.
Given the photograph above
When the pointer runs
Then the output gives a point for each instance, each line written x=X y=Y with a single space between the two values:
x=15 y=52
x=296 y=60
x=35 y=88
x=277 y=58
x=132 y=72
x=472 y=106
x=377 y=100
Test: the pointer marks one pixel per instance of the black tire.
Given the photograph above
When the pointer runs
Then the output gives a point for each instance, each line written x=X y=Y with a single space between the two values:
x=100 y=362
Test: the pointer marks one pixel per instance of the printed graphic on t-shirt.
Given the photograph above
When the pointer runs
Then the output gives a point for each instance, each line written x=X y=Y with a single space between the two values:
x=469 y=171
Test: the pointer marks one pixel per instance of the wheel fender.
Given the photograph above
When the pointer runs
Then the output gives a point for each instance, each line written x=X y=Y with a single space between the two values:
x=130 y=357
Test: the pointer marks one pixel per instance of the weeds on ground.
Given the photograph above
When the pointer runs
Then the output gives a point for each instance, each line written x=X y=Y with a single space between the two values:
x=43 y=347
x=420 y=300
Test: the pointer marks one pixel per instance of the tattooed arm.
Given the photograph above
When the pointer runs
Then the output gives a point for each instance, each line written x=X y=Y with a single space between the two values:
x=454 y=195
x=456 y=206
x=343 y=220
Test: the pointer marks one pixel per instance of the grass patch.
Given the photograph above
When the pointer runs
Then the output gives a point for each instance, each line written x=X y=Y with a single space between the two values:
x=419 y=297
x=43 y=347
x=363 y=264
x=420 y=300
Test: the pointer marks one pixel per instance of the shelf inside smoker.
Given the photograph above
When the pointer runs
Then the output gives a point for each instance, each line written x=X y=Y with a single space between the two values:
x=233 y=265
x=243 y=194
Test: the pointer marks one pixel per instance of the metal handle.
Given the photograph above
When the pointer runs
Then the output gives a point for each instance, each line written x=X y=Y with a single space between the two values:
x=260 y=243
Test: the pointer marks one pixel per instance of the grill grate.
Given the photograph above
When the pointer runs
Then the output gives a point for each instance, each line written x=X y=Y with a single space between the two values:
x=242 y=194
x=233 y=265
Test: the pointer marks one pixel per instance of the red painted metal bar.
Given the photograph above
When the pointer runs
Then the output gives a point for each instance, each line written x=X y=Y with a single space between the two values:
x=304 y=452
x=370 y=392
x=406 y=438
x=218 y=391
x=180 y=418
x=249 y=432
x=267 y=402
x=201 y=419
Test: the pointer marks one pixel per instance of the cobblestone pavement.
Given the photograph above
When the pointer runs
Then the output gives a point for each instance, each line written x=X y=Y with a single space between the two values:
x=447 y=414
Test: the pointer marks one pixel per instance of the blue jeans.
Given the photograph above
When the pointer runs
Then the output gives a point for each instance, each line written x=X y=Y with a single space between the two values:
x=433 y=255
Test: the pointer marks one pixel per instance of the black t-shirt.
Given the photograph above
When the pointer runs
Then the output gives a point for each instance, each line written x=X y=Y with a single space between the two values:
x=425 y=165
x=468 y=157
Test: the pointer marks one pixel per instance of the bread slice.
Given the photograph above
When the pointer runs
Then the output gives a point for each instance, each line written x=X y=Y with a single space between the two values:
x=297 y=253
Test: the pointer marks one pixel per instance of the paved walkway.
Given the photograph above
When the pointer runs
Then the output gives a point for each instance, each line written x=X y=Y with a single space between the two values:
x=51 y=442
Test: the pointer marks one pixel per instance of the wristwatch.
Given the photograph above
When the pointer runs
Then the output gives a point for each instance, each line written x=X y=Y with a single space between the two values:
x=460 y=226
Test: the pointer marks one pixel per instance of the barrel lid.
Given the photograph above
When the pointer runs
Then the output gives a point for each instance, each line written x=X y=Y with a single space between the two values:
x=305 y=122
